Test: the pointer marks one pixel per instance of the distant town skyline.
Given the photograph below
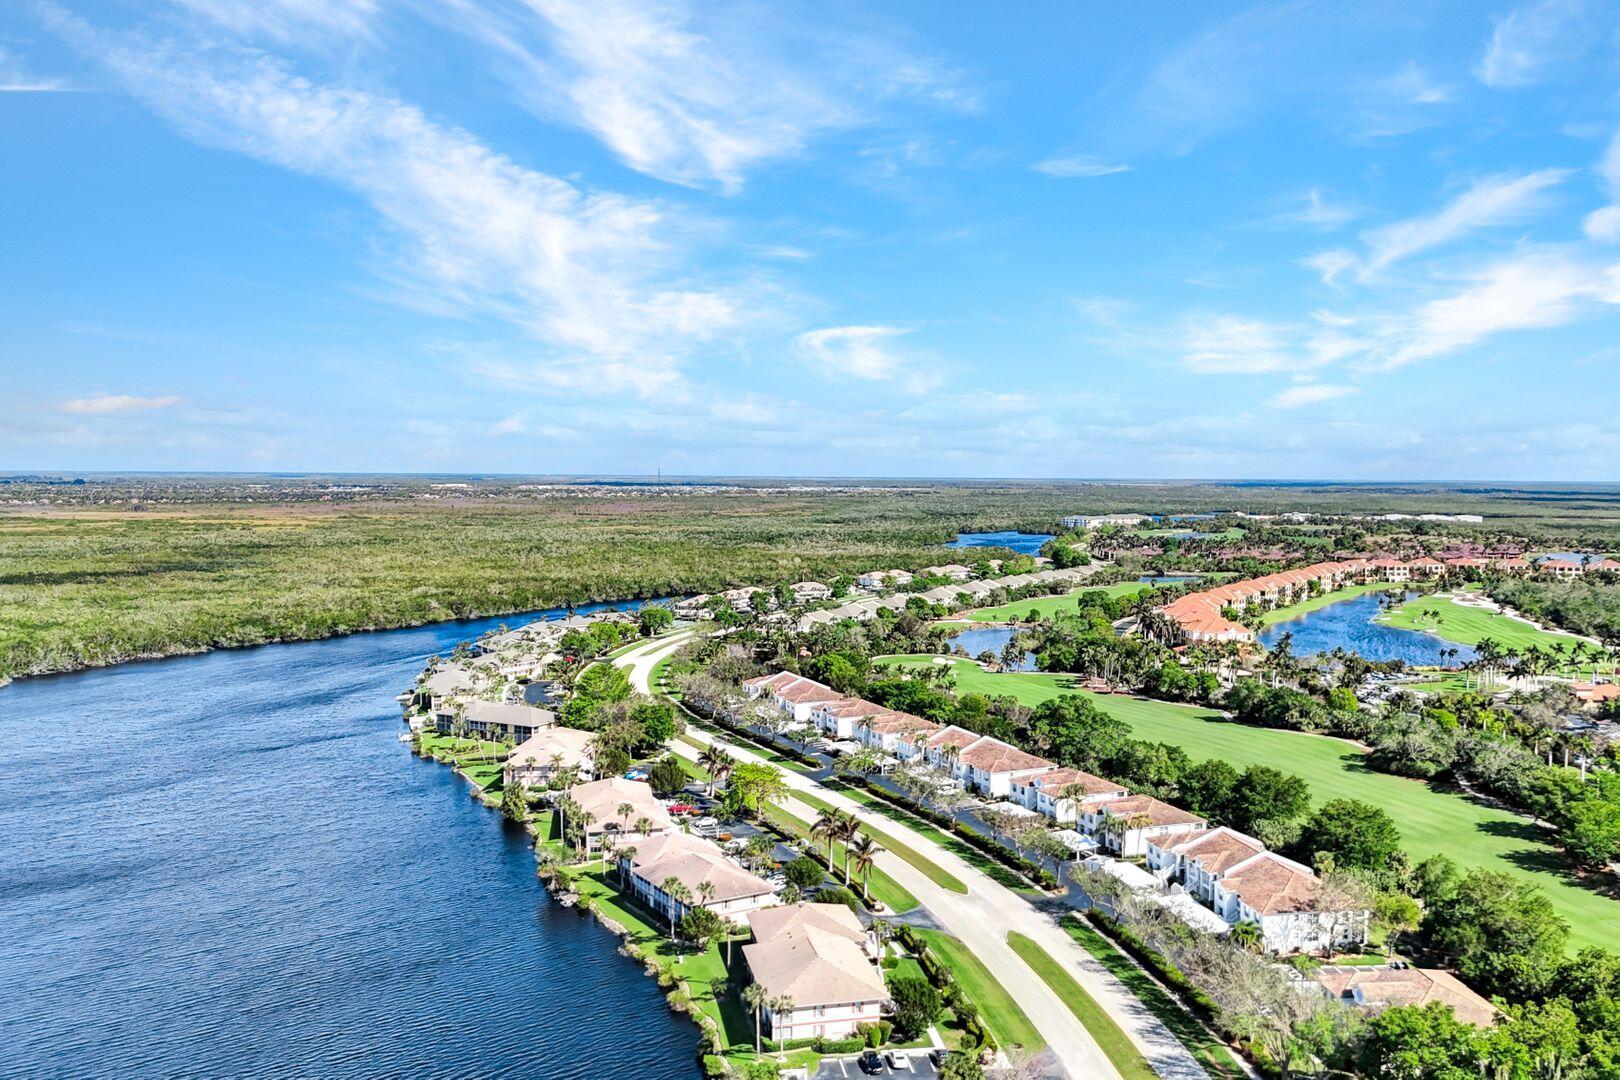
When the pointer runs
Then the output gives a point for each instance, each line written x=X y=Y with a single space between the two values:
x=1289 y=240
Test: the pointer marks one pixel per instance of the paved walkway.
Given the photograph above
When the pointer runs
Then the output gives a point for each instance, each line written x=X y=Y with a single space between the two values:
x=982 y=918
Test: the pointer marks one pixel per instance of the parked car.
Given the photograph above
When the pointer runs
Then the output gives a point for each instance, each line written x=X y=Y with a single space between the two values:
x=898 y=1059
x=870 y=1063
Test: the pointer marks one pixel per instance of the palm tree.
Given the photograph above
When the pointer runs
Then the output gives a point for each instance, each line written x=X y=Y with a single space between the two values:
x=1246 y=935
x=644 y=825
x=864 y=851
x=781 y=1006
x=717 y=763
x=627 y=857
x=826 y=828
x=754 y=998
x=675 y=892
x=625 y=810
x=848 y=826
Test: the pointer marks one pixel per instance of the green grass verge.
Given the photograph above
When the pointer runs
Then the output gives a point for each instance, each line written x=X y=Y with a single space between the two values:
x=1108 y=1035
x=1316 y=603
x=933 y=871
x=997 y=871
x=1466 y=625
x=1432 y=821
x=1215 y=1056
x=884 y=888
x=1000 y=1013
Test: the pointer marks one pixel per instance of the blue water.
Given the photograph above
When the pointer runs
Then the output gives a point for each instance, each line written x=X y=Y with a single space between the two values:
x=1349 y=624
x=1168 y=579
x=1021 y=542
x=995 y=639
x=227 y=865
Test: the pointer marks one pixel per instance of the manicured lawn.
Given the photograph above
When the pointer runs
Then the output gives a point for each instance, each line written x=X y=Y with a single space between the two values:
x=1431 y=821
x=480 y=761
x=1214 y=1055
x=1470 y=625
x=1045 y=606
x=884 y=888
x=1109 y=1036
x=955 y=844
x=935 y=873
x=997 y=1009
x=1349 y=592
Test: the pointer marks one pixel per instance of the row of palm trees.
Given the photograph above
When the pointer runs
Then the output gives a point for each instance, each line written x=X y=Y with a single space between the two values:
x=860 y=850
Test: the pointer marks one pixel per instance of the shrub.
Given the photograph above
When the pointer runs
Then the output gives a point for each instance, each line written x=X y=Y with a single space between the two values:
x=805 y=873
x=850 y=1045
x=916 y=1006
x=890 y=963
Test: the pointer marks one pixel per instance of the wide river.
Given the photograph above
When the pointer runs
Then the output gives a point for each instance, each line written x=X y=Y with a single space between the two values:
x=228 y=865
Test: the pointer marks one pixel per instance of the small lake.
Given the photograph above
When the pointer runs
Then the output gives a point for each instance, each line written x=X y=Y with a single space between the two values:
x=993 y=638
x=1022 y=542
x=1168 y=579
x=228 y=865
x=1349 y=625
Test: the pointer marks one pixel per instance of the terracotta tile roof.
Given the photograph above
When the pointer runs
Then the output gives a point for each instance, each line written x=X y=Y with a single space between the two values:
x=1407 y=986
x=601 y=799
x=1220 y=849
x=767 y=923
x=814 y=966
x=1057 y=780
x=959 y=737
x=994 y=756
x=1157 y=811
x=1272 y=885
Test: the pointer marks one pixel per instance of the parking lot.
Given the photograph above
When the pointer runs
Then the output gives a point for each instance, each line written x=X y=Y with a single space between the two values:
x=906 y=1063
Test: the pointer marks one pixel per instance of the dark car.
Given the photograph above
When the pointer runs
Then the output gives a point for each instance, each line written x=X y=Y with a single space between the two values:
x=870 y=1063
x=937 y=1056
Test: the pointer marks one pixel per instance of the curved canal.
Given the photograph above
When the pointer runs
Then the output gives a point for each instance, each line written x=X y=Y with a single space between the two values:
x=229 y=865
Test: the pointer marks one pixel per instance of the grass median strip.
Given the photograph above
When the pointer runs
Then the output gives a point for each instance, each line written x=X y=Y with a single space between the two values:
x=935 y=873
x=1000 y=1013
x=884 y=888
x=1214 y=1055
x=1110 y=1037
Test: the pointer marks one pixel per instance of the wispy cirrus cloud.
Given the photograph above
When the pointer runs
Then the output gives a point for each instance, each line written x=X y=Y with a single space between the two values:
x=1532 y=38
x=117 y=403
x=289 y=21
x=1077 y=167
x=595 y=280
x=1502 y=199
x=16 y=78
x=1304 y=394
x=697 y=94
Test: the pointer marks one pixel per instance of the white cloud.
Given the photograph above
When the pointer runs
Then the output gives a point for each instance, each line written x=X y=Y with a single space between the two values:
x=1603 y=225
x=1227 y=345
x=1329 y=264
x=866 y=352
x=1532 y=291
x=1530 y=39
x=15 y=78
x=1495 y=200
x=290 y=20
x=695 y=94
x=1078 y=167
x=600 y=280
x=1308 y=394
x=116 y=403
x=1318 y=209
x=1412 y=86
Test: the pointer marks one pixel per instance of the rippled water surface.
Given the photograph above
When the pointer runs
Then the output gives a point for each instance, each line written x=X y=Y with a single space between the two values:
x=229 y=865
x=1349 y=624
x=1025 y=543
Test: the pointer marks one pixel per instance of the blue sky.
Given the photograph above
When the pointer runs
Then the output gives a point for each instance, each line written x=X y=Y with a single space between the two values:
x=1298 y=240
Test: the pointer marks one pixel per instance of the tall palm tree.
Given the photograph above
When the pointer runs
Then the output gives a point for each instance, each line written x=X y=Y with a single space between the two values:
x=848 y=827
x=624 y=810
x=864 y=851
x=754 y=997
x=644 y=825
x=717 y=763
x=627 y=858
x=781 y=1006
x=675 y=892
x=826 y=828
x=1246 y=935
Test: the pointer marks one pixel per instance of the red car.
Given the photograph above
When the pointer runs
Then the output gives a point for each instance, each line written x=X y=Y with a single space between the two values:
x=682 y=808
